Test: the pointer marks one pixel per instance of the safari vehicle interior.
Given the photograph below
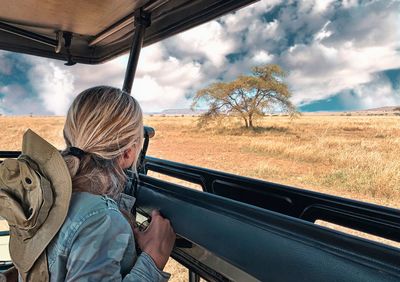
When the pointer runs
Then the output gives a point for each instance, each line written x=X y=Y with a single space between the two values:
x=238 y=228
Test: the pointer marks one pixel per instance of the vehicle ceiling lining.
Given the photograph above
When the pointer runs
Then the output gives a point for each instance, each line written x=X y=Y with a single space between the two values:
x=87 y=20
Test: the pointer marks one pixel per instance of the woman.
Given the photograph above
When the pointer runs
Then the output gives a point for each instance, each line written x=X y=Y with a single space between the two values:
x=104 y=134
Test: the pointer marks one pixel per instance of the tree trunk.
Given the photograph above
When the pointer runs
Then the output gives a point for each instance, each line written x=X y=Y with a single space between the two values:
x=245 y=121
x=251 y=121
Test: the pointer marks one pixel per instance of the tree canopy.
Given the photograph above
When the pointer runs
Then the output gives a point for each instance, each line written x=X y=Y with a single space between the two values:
x=262 y=92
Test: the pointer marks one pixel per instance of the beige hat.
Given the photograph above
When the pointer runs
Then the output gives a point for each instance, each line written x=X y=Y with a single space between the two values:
x=35 y=191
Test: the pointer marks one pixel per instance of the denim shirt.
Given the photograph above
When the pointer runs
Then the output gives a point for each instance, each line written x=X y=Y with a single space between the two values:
x=96 y=243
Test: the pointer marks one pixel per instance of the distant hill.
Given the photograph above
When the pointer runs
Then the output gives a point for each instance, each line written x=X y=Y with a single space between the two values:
x=179 y=112
x=383 y=109
x=392 y=110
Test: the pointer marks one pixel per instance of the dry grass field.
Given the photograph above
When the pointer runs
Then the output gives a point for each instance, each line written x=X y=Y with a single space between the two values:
x=355 y=157
x=351 y=156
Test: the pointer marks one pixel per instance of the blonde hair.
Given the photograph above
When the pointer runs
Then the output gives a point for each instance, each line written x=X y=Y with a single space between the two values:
x=102 y=121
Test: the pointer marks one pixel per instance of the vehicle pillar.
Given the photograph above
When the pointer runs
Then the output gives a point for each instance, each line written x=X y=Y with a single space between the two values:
x=193 y=277
x=142 y=20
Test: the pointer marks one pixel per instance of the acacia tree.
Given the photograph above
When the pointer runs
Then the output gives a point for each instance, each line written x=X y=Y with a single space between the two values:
x=247 y=96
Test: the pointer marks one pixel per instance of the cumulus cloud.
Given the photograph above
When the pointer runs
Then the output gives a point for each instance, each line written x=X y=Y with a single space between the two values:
x=15 y=100
x=5 y=64
x=377 y=93
x=162 y=80
x=326 y=46
x=16 y=96
x=54 y=86
x=208 y=43
x=347 y=51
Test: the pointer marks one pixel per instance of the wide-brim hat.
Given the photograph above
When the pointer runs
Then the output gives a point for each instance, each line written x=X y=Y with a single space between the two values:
x=24 y=252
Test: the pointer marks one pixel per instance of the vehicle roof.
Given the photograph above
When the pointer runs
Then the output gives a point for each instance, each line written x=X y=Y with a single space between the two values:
x=103 y=29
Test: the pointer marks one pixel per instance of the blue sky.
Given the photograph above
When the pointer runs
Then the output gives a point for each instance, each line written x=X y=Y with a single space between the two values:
x=339 y=55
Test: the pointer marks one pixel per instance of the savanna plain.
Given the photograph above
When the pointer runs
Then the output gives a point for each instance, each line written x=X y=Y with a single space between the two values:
x=356 y=157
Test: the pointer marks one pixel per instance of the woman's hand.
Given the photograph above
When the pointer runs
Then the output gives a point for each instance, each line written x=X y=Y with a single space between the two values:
x=157 y=240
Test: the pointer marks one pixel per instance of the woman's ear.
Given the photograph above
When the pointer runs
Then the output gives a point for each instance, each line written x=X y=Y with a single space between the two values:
x=127 y=158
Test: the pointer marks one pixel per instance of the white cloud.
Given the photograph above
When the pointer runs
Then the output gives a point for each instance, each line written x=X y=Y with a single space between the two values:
x=162 y=81
x=262 y=57
x=349 y=3
x=378 y=93
x=320 y=6
x=15 y=100
x=240 y=20
x=153 y=97
x=5 y=64
x=318 y=71
x=54 y=86
x=323 y=33
x=346 y=52
x=110 y=73
x=206 y=42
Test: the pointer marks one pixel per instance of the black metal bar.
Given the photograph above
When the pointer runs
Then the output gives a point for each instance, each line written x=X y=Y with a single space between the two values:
x=4 y=233
x=9 y=154
x=303 y=204
x=5 y=265
x=142 y=20
x=28 y=34
x=148 y=133
x=265 y=245
x=193 y=276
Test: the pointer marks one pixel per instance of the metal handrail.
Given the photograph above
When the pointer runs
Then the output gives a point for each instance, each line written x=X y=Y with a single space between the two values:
x=4 y=233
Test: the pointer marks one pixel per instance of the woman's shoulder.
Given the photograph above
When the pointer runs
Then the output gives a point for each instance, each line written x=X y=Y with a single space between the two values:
x=88 y=211
x=86 y=207
x=91 y=218
x=83 y=203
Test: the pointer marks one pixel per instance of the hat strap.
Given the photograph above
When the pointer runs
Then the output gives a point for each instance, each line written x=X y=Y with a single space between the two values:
x=74 y=151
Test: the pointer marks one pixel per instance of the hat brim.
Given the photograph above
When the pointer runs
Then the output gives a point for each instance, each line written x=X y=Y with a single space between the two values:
x=52 y=165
